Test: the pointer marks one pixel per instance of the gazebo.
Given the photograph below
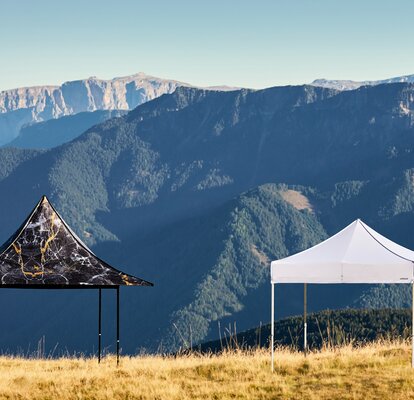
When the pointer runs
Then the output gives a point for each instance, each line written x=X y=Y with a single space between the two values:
x=45 y=253
x=356 y=254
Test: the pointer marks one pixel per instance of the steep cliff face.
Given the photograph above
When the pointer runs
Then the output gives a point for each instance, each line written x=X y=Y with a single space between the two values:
x=86 y=95
x=34 y=104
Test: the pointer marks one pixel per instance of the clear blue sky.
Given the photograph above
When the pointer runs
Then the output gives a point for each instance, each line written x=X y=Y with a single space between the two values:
x=255 y=43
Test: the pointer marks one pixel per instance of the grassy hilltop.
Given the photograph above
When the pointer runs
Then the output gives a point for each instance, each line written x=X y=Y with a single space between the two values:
x=380 y=370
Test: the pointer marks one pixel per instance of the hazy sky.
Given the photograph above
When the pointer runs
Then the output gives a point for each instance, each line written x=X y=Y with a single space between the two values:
x=255 y=43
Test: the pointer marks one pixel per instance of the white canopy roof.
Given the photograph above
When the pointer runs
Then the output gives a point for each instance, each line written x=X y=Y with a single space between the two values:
x=357 y=254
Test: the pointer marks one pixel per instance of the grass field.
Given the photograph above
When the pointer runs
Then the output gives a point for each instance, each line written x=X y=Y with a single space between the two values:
x=376 y=371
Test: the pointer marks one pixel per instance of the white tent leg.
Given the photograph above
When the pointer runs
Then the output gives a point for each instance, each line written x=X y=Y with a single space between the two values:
x=305 y=325
x=412 y=326
x=272 y=327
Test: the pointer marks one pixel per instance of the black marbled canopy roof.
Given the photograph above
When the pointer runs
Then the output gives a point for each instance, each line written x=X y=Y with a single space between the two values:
x=45 y=252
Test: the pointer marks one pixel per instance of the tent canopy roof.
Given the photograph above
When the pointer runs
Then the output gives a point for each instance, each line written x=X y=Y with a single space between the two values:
x=45 y=252
x=357 y=254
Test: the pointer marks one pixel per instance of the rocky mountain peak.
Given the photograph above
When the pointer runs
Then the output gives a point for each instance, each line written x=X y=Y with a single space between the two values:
x=26 y=105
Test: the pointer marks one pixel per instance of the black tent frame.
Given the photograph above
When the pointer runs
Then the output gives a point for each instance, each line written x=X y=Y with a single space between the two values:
x=100 y=325
x=114 y=281
x=116 y=287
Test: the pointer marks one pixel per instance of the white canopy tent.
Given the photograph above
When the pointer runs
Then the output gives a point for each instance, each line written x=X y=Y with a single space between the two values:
x=357 y=254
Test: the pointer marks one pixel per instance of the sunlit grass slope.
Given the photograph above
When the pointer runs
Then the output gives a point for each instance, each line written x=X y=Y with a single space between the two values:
x=376 y=371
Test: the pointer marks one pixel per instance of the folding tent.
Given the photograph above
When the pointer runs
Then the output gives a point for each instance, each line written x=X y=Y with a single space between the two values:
x=45 y=253
x=357 y=254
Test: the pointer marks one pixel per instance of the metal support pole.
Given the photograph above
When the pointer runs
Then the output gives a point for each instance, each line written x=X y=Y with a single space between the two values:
x=272 y=327
x=117 y=325
x=412 y=326
x=100 y=326
x=305 y=325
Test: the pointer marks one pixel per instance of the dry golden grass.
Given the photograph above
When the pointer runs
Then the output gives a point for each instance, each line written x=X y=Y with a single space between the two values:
x=377 y=371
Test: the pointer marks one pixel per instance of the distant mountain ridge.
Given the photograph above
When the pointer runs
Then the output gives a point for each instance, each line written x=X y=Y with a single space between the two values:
x=23 y=107
x=54 y=132
x=352 y=85
x=89 y=94
x=27 y=105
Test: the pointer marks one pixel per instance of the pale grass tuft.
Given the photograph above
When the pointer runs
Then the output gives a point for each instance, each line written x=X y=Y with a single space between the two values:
x=378 y=370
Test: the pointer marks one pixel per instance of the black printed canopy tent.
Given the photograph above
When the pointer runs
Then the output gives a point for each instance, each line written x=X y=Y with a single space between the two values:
x=45 y=253
x=356 y=254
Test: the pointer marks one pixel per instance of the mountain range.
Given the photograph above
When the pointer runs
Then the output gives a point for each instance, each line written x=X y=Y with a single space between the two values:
x=351 y=85
x=27 y=115
x=197 y=191
x=28 y=105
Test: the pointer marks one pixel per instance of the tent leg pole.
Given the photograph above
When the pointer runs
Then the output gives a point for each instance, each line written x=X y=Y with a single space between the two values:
x=100 y=326
x=305 y=325
x=117 y=325
x=272 y=327
x=412 y=326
